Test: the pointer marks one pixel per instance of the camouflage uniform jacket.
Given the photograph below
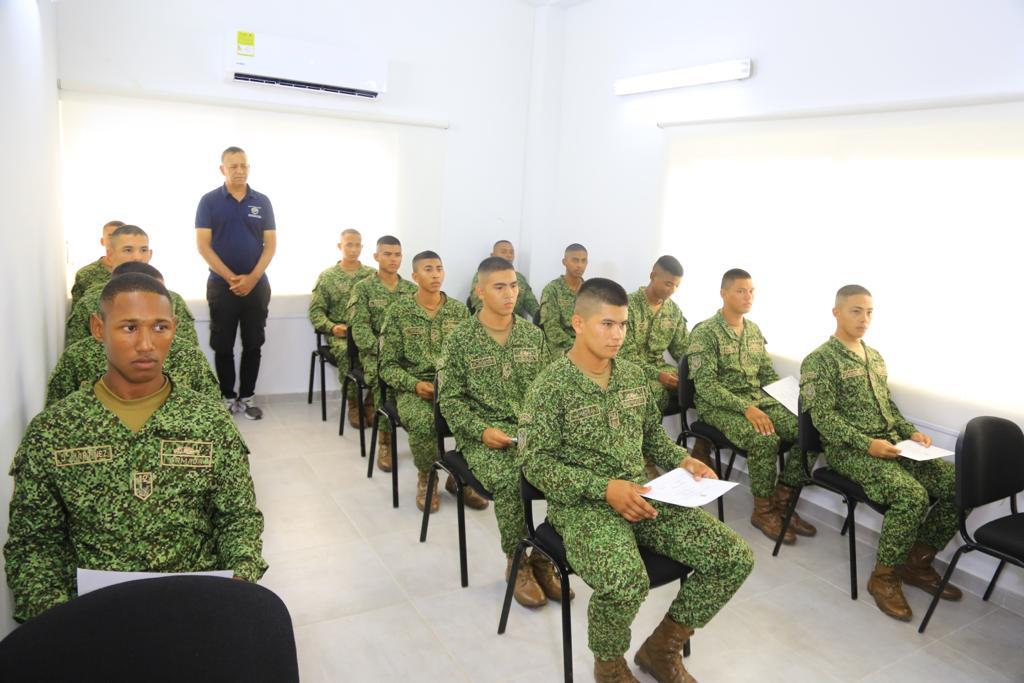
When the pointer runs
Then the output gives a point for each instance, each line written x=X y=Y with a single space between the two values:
x=557 y=302
x=411 y=341
x=727 y=370
x=331 y=293
x=366 y=307
x=575 y=437
x=176 y=496
x=85 y=361
x=78 y=320
x=95 y=273
x=483 y=384
x=849 y=398
x=525 y=303
x=650 y=334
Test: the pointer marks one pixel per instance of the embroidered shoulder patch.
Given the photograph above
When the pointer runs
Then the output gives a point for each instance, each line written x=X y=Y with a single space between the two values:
x=196 y=454
x=695 y=362
x=584 y=413
x=526 y=355
x=631 y=398
x=90 y=455
x=482 y=362
x=695 y=347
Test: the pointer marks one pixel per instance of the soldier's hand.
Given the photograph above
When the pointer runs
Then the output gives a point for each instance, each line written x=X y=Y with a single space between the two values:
x=922 y=439
x=698 y=469
x=669 y=380
x=760 y=420
x=495 y=438
x=339 y=330
x=624 y=497
x=880 y=448
x=425 y=390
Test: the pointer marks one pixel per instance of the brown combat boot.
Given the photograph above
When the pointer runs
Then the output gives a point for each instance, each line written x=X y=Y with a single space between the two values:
x=765 y=518
x=384 y=450
x=547 y=577
x=702 y=451
x=470 y=497
x=613 y=671
x=369 y=409
x=660 y=655
x=353 y=413
x=884 y=586
x=421 y=492
x=918 y=571
x=527 y=592
x=780 y=499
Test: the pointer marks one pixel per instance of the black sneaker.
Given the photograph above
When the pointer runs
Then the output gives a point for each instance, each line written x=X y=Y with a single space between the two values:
x=250 y=411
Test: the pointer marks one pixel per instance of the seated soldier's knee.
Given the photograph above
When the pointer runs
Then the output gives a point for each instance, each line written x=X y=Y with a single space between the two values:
x=628 y=588
x=913 y=497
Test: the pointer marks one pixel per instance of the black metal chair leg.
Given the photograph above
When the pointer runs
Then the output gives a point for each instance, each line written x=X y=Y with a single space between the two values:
x=312 y=371
x=461 y=508
x=942 y=586
x=344 y=404
x=510 y=588
x=373 y=447
x=431 y=478
x=790 y=509
x=362 y=423
x=852 y=524
x=728 y=469
x=718 y=472
x=846 y=525
x=992 y=583
x=323 y=389
x=394 y=466
x=566 y=628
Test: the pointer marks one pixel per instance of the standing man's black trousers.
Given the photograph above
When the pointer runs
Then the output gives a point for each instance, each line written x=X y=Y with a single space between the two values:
x=228 y=311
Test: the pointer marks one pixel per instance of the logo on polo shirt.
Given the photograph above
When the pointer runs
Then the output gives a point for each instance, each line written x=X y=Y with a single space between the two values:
x=254 y=212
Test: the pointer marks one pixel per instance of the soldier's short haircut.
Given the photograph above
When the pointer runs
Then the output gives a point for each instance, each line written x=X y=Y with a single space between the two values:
x=846 y=291
x=501 y=242
x=389 y=240
x=423 y=256
x=131 y=282
x=597 y=291
x=115 y=224
x=137 y=267
x=732 y=275
x=670 y=264
x=575 y=247
x=128 y=230
x=231 y=150
x=350 y=231
x=493 y=264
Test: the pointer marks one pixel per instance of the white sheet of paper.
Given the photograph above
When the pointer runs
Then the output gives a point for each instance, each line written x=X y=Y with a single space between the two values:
x=915 y=451
x=90 y=580
x=786 y=391
x=678 y=487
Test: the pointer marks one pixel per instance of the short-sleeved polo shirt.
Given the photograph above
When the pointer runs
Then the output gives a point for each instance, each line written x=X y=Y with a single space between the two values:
x=237 y=227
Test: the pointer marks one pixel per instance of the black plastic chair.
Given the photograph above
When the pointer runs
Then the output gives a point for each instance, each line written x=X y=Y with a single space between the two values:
x=353 y=374
x=322 y=352
x=702 y=430
x=989 y=466
x=544 y=539
x=388 y=408
x=457 y=468
x=169 y=629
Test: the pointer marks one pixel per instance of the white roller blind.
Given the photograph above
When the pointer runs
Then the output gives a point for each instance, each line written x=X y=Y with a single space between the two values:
x=923 y=208
x=148 y=162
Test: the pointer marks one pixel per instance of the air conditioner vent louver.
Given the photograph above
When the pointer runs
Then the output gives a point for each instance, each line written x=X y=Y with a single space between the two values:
x=305 y=85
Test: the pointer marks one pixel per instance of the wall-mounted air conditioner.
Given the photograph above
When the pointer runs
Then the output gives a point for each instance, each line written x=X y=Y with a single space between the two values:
x=315 y=67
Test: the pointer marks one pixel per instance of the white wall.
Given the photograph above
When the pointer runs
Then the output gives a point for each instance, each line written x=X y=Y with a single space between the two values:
x=808 y=55
x=31 y=264
x=466 y=62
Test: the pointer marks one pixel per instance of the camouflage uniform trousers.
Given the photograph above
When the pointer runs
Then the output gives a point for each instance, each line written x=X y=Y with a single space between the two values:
x=762 y=451
x=498 y=471
x=601 y=547
x=339 y=349
x=905 y=486
x=417 y=418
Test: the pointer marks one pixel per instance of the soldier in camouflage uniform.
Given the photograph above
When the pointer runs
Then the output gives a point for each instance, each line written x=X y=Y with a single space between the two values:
x=89 y=303
x=729 y=365
x=527 y=303
x=489 y=362
x=415 y=329
x=97 y=272
x=587 y=423
x=558 y=298
x=327 y=312
x=370 y=299
x=844 y=385
x=133 y=474
x=85 y=361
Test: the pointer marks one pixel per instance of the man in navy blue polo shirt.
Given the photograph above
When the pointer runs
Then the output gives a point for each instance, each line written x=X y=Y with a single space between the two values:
x=235 y=232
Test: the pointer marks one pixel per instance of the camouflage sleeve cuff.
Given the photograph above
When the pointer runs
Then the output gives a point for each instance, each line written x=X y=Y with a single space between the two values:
x=596 y=488
x=252 y=571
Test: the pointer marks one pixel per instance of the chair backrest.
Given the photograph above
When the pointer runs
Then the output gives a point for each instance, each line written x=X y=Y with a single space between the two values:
x=469 y=303
x=685 y=390
x=529 y=493
x=989 y=461
x=179 y=628
x=351 y=350
x=440 y=423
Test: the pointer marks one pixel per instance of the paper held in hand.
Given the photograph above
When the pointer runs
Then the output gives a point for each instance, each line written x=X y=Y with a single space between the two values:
x=678 y=487
x=912 y=450
x=93 y=579
x=786 y=391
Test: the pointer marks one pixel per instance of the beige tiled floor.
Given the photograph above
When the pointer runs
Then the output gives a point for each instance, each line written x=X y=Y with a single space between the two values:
x=370 y=603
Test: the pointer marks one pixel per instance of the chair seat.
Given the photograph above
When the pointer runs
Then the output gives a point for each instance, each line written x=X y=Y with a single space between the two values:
x=660 y=569
x=455 y=462
x=357 y=375
x=847 y=487
x=391 y=410
x=1005 y=534
x=325 y=351
x=718 y=438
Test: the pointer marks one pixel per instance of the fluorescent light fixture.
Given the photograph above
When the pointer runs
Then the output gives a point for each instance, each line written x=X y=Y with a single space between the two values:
x=734 y=70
